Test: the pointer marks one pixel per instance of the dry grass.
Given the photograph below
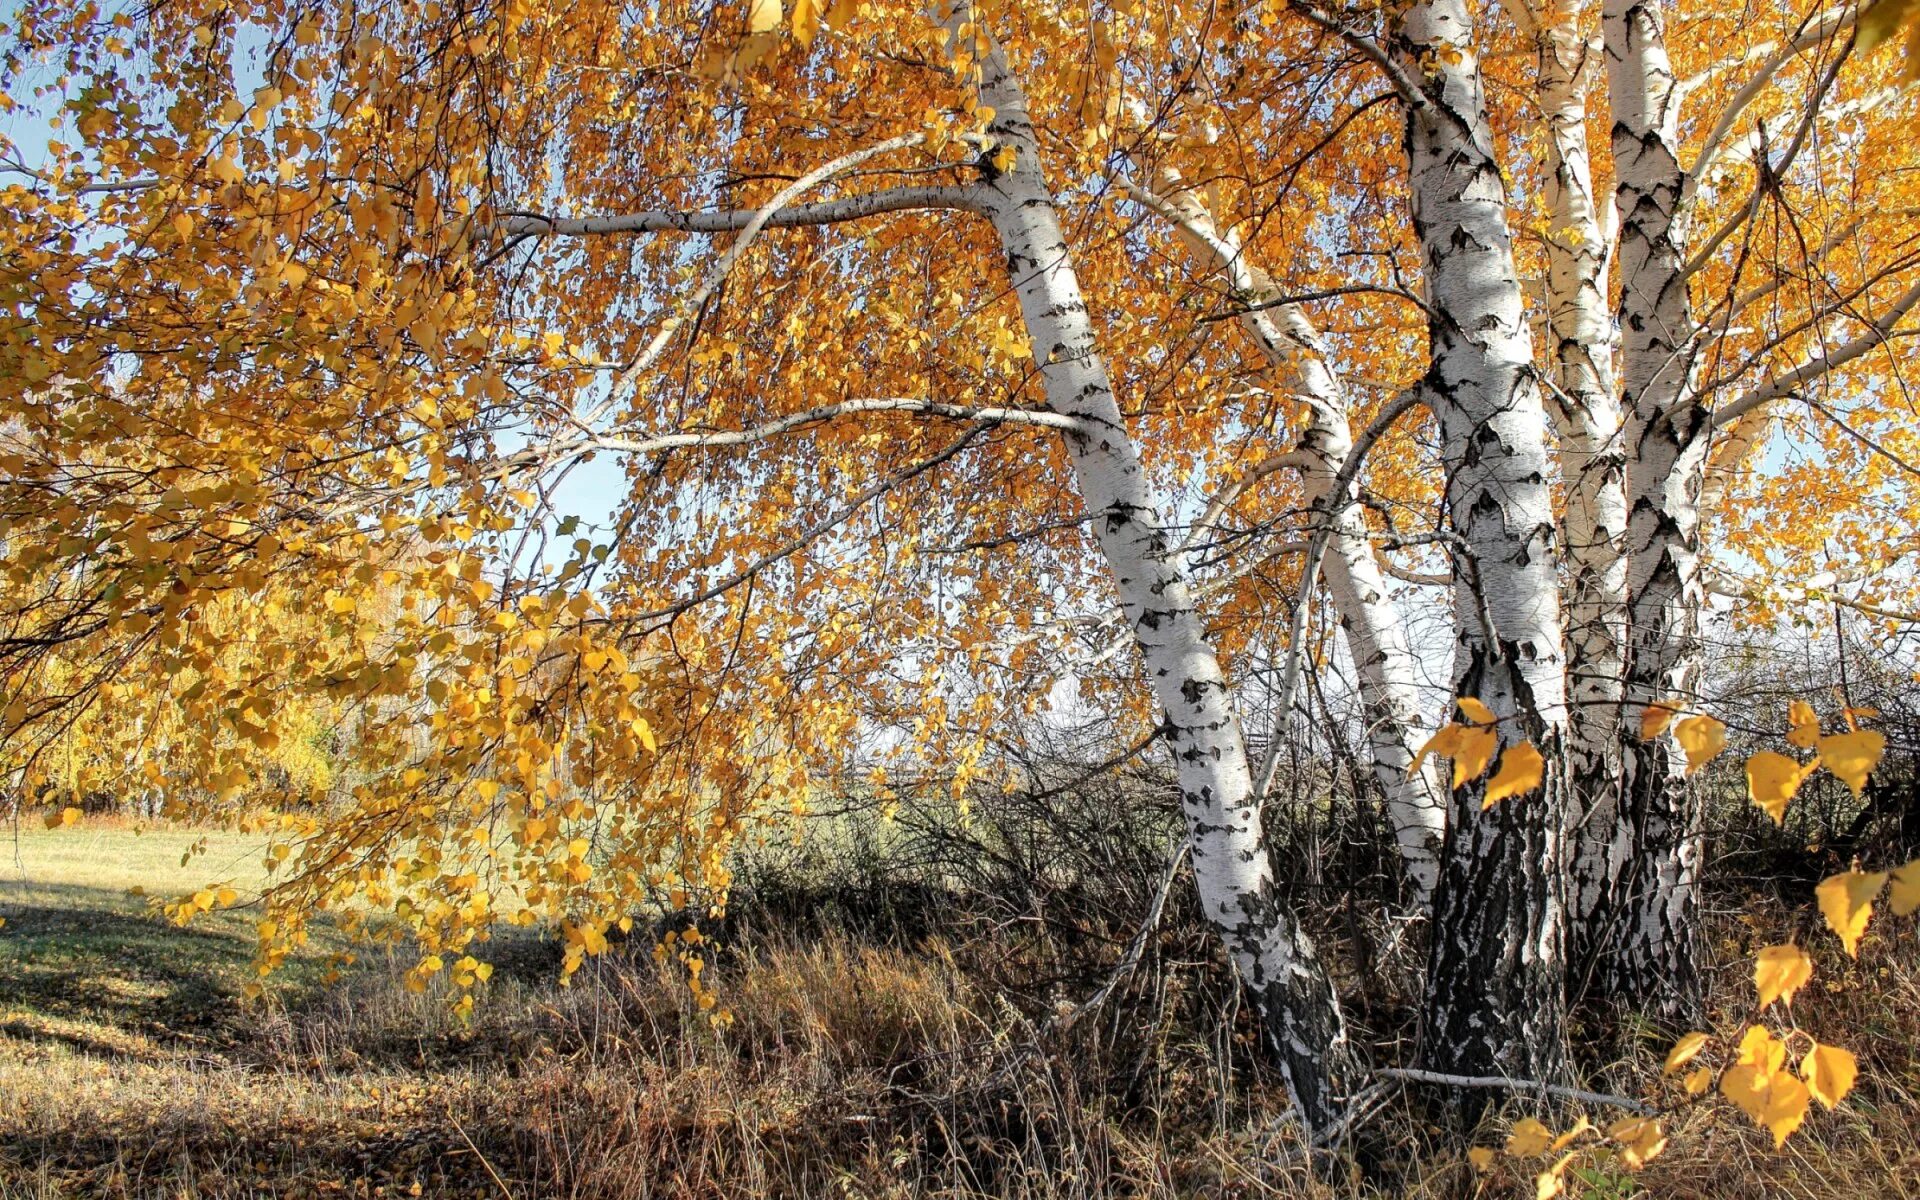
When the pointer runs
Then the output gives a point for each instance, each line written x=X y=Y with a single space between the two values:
x=129 y=1068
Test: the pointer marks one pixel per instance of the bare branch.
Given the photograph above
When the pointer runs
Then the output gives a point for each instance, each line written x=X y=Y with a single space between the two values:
x=1498 y=1083
x=696 y=298
x=1878 y=334
x=1135 y=949
x=1769 y=172
x=814 y=532
x=817 y=416
x=1403 y=85
x=1816 y=32
x=826 y=212
x=145 y=183
x=1815 y=257
x=1316 y=550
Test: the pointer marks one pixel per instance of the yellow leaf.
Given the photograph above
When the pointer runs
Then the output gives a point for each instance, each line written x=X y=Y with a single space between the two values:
x=1851 y=714
x=1904 y=896
x=1657 y=716
x=763 y=16
x=806 y=19
x=1444 y=743
x=1829 y=1072
x=1684 y=1050
x=1703 y=738
x=1846 y=901
x=1853 y=756
x=1779 y=972
x=1806 y=725
x=644 y=732
x=1747 y=1087
x=1566 y=1139
x=1546 y=1185
x=63 y=818
x=1698 y=1080
x=1473 y=753
x=1521 y=769
x=1759 y=1048
x=1474 y=711
x=1640 y=1139
x=1772 y=780
x=1481 y=1157
x=1786 y=1107
x=1529 y=1138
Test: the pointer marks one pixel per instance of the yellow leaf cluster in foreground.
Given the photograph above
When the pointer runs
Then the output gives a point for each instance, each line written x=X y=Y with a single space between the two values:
x=1760 y=1085
x=1636 y=1140
x=1471 y=744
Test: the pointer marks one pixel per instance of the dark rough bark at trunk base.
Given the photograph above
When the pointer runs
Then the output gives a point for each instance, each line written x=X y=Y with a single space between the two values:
x=1496 y=967
x=1652 y=962
x=1300 y=1017
x=1598 y=857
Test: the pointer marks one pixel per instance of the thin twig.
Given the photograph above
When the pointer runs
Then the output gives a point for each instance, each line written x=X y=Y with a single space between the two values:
x=1412 y=1075
x=1135 y=948
x=461 y=1130
x=1337 y=500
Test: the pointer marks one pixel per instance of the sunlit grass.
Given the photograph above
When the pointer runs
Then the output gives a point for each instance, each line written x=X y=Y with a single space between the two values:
x=117 y=854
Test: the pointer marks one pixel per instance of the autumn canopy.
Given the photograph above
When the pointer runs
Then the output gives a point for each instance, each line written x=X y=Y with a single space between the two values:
x=623 y=424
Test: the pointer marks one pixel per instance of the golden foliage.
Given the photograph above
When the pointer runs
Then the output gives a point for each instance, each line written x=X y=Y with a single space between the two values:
x=1772 y=780
x=1702 y=738
x=1846 y=901
x=1521 y=770
x=1829 y=1072
x=1853 y=756
x=1684 y=1051
x=1779 y=972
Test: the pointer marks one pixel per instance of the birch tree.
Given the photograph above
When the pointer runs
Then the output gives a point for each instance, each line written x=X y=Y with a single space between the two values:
x=915 y=361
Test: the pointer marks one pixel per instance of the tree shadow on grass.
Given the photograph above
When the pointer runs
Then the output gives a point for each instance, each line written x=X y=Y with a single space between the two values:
x=71 y=953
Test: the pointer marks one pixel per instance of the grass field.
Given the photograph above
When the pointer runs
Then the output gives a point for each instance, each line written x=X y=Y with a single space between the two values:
x=87 y=966
x=130 y=1066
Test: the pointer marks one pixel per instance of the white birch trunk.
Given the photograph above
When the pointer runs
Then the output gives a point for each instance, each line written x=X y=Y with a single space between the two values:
x=1291 y=989
x=1496 y=998
x=1653 y=958
x=1586 y=418
x=1376 y=633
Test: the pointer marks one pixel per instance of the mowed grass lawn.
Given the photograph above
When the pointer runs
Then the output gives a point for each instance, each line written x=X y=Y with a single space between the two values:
x=84 y=960
x=131 y=1064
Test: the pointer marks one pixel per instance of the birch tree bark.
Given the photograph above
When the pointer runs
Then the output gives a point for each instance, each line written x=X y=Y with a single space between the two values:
x=1496 y=986
x=1291 y=990
x=1652 y=961
x=1586 y=419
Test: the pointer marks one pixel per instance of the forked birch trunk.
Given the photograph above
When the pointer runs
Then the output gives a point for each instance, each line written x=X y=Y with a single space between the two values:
x=1653 y=958
x=1586 y=418
x=1496 y=996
